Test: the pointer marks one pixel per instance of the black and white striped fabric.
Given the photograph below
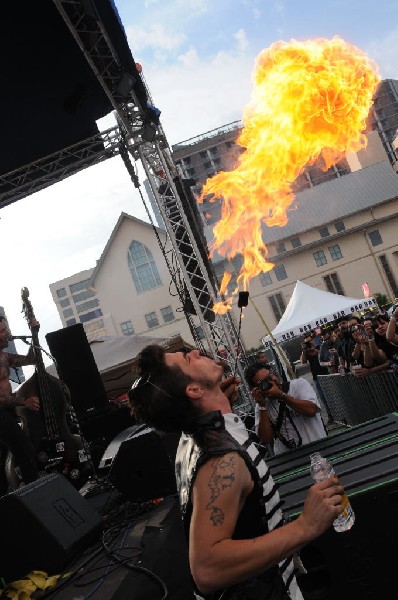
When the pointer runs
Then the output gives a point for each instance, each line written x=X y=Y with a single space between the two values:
x=272 y=502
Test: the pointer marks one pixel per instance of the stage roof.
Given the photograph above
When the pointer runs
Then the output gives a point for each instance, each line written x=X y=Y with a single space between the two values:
x=51 y=98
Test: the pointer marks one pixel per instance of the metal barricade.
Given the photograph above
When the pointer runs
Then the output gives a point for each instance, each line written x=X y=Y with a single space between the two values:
x=354 y=400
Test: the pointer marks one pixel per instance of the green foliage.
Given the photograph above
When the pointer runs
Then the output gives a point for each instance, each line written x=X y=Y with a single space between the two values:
x=382 y=300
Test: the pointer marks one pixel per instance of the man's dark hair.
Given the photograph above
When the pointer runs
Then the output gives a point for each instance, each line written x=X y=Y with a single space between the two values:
x=253 y=369
x=159 y=398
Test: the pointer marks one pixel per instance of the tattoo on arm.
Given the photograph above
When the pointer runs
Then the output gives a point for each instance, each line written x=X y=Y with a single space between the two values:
x=223 y=476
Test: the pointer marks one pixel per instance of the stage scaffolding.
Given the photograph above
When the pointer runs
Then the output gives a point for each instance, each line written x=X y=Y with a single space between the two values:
x=138 y=138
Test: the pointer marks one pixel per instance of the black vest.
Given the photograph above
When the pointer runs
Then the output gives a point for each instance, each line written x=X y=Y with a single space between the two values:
x=211 y=439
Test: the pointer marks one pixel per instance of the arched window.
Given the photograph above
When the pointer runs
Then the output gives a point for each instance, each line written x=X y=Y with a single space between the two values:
x=142 y=267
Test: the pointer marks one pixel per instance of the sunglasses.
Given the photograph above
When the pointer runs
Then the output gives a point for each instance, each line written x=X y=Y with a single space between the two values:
x=142 y=381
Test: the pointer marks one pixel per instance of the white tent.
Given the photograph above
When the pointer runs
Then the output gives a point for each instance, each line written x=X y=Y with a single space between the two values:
x=309 y=308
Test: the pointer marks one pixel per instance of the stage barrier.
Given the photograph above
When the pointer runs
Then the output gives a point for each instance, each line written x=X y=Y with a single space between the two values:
x=355 y=400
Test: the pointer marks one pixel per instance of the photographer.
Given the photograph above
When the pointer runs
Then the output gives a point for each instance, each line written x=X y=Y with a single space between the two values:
x=290 y=417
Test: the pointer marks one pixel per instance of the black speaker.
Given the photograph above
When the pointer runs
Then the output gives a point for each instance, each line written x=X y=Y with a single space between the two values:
x=77 y=367
x=44 y=525
x=142 y=469
x=358 y=563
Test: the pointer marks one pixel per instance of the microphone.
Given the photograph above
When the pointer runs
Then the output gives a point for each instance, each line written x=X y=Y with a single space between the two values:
x=19 y=337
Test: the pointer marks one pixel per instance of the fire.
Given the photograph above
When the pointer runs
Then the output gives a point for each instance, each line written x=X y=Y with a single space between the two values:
x=310 y=101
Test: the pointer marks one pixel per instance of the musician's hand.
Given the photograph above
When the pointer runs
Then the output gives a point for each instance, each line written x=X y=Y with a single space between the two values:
x=229 y=387
x=33 y=403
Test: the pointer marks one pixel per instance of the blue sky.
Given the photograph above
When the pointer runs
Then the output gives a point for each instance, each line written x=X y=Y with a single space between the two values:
x=197 y=58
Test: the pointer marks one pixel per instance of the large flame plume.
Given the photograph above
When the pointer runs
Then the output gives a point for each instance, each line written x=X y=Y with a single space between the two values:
x=310 y=101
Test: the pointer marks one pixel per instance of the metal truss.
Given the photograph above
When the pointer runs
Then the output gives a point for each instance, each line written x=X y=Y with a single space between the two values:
x=146 y=142
x=55 y=167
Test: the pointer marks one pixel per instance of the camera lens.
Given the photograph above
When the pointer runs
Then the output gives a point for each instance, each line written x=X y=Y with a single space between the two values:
x=264 y=385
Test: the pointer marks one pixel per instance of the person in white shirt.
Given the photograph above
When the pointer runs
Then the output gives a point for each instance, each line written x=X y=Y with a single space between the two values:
x=284 y=419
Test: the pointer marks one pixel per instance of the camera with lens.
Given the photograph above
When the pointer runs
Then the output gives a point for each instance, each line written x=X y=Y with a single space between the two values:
x=264 y=385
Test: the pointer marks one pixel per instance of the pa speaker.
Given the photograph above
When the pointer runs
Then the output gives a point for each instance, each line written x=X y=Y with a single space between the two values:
x=77 y=367
x=45 y=524
x=142 y=469
x=358 y=563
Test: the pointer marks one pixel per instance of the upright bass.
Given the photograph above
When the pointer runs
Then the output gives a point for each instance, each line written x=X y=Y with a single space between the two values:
x=57 y=448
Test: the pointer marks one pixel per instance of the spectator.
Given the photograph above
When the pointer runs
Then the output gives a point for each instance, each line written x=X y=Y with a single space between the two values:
x=287 y=419
x=392 y=330
x=377 y=352
x=261 y=357
x=310 y=354
x=328 y=356
x=347 y=344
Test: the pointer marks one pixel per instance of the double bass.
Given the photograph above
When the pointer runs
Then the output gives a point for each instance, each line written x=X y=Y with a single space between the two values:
x=57 y=449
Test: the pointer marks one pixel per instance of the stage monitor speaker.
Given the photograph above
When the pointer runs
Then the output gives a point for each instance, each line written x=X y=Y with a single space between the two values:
x=142 y=469
x=358 y=563
x=43 y=526
x=77 y=368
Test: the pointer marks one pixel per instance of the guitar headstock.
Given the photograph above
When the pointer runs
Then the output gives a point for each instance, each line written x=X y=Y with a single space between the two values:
x=27 y=308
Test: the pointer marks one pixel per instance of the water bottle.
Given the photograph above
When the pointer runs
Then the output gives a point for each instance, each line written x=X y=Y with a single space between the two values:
x=320 y=469
x=341 y=370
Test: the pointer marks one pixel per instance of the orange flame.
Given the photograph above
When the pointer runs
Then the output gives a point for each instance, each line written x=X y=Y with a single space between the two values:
x=310 y=101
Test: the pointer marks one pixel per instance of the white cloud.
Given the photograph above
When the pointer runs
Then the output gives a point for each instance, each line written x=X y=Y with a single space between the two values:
x=384 y=52
x=243 y=43
x=198 y=95
x=155 y=36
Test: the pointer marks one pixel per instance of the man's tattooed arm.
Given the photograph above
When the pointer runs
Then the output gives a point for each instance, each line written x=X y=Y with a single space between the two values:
x=222 y=477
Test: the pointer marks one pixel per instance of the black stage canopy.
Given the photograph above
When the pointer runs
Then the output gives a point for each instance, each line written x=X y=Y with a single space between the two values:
x=51 y=98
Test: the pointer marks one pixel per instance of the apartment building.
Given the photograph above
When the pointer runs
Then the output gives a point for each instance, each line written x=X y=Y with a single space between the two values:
x=76 y=302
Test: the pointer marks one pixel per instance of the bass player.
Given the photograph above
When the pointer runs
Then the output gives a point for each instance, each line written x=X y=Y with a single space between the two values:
x=11 y=434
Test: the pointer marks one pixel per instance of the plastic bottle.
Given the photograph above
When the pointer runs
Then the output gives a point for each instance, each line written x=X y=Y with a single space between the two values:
x=341 y=370
x=320 y=469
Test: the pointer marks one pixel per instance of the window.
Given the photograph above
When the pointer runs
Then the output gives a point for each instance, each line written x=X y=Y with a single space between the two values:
x=389 y=274
x=339 y=225
x=86 y=305
x=333 y=284
x=151 y=320
x=65 y=302
x=61 y=293
x=278 y=305
x=70 y=322
x=375 y=237
x=280 y=248
x=142 y=268
x=83 y=296
x=191 y=172
x=213 y=151
x=335 y=252
x=68 y=312
x=78 y=287
x=203 y=154
x=207 y=164
x=324 y=232
x=280 y=272
x=90 y=315
x=127 y=328
x=296 y=242
x=320 y=258
x=265 y=278
x=167 y=314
